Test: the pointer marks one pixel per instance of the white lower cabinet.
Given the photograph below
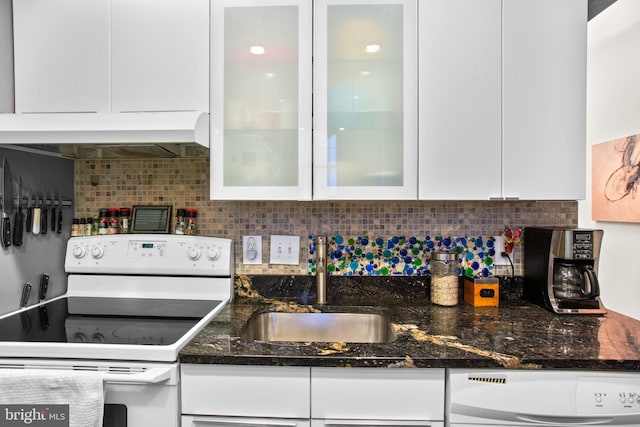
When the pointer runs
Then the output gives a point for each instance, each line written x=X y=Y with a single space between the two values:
x=377 y=397
x=241 y=395
x=228 y=395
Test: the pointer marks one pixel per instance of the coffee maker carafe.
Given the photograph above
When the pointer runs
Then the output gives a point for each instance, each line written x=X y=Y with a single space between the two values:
x=561 y=269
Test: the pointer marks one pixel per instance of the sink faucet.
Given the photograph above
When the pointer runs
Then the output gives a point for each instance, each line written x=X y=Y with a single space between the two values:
x=321 y=270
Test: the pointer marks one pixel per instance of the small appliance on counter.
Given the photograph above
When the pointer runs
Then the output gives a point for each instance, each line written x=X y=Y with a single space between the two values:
x=561 y=269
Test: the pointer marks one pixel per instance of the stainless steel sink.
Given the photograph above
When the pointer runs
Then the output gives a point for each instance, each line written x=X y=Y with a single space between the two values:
x=319 y=327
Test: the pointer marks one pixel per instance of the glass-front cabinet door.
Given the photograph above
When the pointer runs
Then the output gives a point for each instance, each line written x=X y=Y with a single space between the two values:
x=261 y=75
x=365 y=99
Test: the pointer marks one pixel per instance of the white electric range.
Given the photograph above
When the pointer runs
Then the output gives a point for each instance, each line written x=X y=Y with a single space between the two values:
x=132 y=302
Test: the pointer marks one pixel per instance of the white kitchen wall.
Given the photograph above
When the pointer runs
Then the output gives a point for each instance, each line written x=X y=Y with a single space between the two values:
x=613 y=111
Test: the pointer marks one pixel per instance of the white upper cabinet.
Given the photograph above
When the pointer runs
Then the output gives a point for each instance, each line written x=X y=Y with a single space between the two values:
x=365 y=99
x=544 y=98
x=61 y=56
x=261 y=71
x=502 y=99
x=111 y=56
x=460 y=130
x=160 y=55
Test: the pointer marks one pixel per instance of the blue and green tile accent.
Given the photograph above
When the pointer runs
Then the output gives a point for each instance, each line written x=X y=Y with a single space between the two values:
x=402 y=255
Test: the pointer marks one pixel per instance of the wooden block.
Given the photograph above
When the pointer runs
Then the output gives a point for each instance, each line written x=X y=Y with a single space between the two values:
x=481 y=292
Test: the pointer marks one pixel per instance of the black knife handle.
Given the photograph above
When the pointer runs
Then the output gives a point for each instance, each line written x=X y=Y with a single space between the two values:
x=59 y=220
x=43 y=221
x=53 y=219
x=6 y=232
x=18 y=228
x=29 y=219
x=44 y=285
x=26 y=293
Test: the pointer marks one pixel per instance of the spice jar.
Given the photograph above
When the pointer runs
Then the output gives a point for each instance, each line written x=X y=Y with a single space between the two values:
x=114 y=221
x=103 y=221
x=180 y=221
x=444 y=278
x=95 y=225
x=190 y=228
x=75 y=227
x=125 y=215
x=87 y=227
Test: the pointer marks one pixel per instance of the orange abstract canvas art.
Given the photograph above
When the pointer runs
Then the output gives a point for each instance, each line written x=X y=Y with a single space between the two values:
x=615 y=178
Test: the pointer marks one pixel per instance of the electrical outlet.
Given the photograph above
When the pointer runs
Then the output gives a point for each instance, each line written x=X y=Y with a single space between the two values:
x=252 y=249
x=285 y=250
x=499 y=245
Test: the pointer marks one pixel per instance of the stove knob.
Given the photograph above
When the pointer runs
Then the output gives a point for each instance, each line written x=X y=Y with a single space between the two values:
x=79 y=251
x=97 y=337
x=80 y=337
x=194 y=253
x=213 y=254
x=97 y=252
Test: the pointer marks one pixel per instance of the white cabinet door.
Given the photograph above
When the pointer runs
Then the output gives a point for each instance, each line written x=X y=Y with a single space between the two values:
x=544 y=98
x=261 y=99
x=160 y=55
x=365 y=99
x=61 y=56
x=377 y=394
x=246 y=391
x=460 y=148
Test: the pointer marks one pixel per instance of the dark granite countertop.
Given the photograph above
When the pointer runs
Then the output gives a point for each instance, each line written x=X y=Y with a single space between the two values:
x=517 y=334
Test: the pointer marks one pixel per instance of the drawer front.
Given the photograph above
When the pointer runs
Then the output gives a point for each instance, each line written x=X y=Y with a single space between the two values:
x=206 y=421
x=248 y=391
x=377 y=394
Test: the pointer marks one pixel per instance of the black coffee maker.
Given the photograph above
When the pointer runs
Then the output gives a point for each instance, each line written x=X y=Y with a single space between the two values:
x=561 y=269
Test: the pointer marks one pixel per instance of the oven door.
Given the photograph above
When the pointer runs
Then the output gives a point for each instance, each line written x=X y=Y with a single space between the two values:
x=136 y=394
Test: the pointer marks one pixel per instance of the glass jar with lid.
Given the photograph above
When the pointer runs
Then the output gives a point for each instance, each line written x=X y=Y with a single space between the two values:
x=444 y=278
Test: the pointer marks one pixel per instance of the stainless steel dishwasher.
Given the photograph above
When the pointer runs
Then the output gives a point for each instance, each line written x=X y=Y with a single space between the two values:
x=479 y=398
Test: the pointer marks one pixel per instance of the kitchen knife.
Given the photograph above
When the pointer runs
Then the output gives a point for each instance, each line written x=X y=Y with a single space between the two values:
x=18 y=223
x=59 y=220
x=35 y=229
x=29 y=220
x=6 y=198
x=44 y=285
x=53 y=213
x=26 y=293
x=26 y=321
x=43 y=215
x=43 y=314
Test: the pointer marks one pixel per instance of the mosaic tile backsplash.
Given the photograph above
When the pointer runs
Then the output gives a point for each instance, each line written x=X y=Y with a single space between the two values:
x=185 y=183
x=406 y=256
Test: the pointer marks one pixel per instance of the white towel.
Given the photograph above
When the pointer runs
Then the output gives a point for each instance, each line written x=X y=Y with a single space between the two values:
x=83 y=391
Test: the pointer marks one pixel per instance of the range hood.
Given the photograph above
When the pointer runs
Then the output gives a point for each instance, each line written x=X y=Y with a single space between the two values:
x=88 y=135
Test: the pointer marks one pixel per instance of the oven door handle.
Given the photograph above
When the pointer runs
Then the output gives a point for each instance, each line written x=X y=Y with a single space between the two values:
x=150 y=376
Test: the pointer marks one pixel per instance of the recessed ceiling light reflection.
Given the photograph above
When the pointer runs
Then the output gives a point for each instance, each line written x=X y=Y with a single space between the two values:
x=340 y=129
x=372 y=48
x=365 y=73
x=257 y=50
x=269 y=75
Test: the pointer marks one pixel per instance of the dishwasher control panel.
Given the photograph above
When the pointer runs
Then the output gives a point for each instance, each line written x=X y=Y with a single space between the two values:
x=488 y=397
x=607 y=394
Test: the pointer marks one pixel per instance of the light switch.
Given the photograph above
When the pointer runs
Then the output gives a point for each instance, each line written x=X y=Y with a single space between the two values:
x=285 y=250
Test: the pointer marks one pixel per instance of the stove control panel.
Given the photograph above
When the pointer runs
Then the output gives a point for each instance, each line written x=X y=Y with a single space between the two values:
x=150 y=254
